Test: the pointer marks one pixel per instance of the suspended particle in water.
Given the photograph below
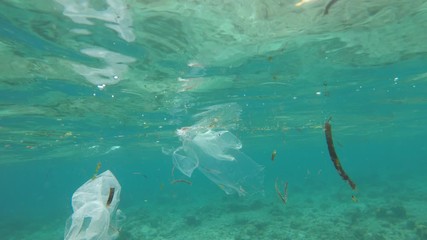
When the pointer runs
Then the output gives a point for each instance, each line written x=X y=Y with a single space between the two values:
x=273 y=155
x=195 y=64
x=395 y=80
x=101 y=86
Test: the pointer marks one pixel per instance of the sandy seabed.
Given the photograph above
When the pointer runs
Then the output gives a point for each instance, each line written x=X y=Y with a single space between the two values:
x=392 y=211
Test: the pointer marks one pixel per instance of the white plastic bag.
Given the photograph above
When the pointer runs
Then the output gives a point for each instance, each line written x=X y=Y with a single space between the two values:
x=95 y=214
x=216 y=152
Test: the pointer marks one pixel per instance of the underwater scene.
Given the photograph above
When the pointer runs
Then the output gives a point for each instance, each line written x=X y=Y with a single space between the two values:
x=213 y=119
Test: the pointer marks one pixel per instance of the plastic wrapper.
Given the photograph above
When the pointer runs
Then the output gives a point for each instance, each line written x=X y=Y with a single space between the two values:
x=217 y=153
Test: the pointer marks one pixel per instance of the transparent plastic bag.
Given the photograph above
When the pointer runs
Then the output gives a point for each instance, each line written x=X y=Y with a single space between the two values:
x=216 y=153
x=95 y=204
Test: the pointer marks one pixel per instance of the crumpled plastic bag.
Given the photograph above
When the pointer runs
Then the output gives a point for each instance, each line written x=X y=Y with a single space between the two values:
x=95 y=204
x=210 y=147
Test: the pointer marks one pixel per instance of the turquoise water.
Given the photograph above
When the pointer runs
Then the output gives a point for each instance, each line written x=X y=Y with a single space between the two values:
x=111 y=82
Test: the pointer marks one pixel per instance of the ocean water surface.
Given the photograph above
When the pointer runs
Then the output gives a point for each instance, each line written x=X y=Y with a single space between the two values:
x=211 y=116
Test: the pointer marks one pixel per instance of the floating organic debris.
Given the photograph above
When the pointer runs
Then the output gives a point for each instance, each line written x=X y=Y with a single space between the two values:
x=110 y=196
x=273 y=155
x=328 y=6
x=284 y=196
x=178 y=180
x=334 y=157
x=98 y=166
x=181 y=181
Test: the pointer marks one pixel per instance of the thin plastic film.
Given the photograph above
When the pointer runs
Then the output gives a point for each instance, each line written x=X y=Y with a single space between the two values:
x=216 y=153
x=95 y=204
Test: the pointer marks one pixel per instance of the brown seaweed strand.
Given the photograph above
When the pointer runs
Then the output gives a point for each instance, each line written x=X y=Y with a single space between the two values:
x=334 y=156
x=181 y=181
x=328 y=6
x=110 y=196
x=285 y=193
x=284 y=197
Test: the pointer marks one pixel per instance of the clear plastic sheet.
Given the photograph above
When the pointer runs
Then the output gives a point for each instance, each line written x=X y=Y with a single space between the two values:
x=217 y=153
